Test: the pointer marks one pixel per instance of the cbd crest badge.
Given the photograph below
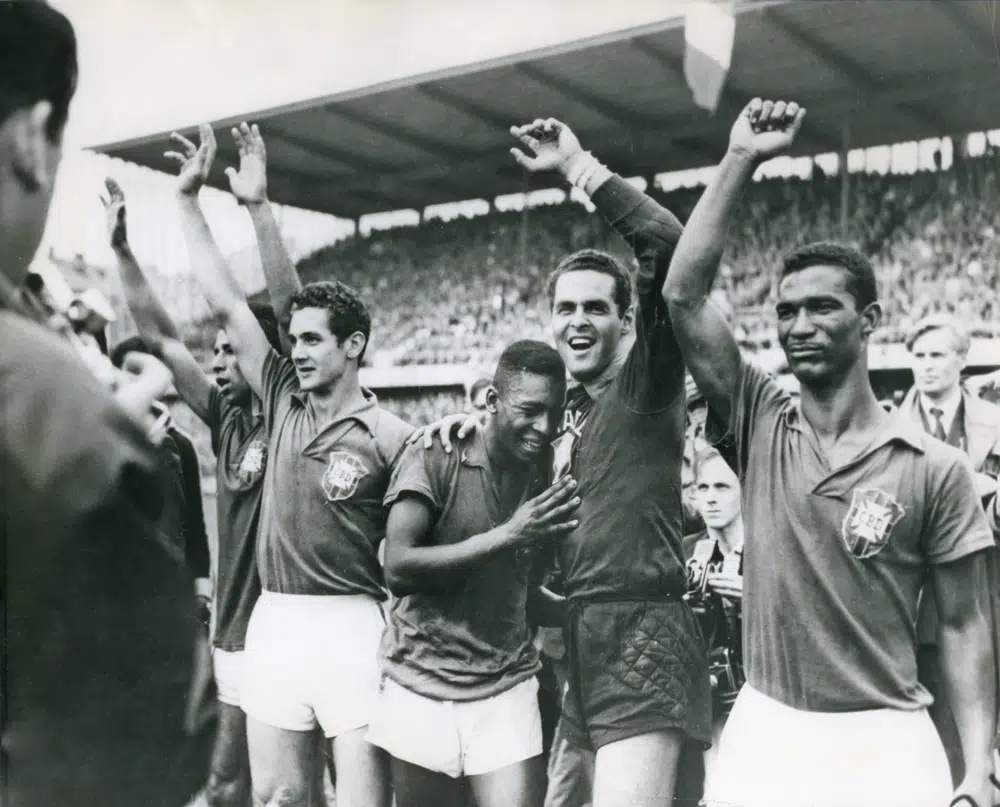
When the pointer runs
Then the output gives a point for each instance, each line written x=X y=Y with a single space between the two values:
x=869 y=522
x=252 y=463
x=342 y=476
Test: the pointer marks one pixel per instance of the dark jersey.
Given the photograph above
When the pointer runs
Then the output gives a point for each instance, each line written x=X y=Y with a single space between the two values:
x=240 y=444
x=182 y=522
x=99 y=619
x=625 y=448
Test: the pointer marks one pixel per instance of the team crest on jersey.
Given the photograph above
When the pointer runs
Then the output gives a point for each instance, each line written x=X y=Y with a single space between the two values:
x=342 y=476
x=869 y=522
x=252 y=463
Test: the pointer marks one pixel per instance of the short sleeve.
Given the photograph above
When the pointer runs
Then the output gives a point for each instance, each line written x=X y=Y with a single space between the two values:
x=278 y=383
x=757 y=400
x=392 y=437
x=956 y=523
x=417 y=471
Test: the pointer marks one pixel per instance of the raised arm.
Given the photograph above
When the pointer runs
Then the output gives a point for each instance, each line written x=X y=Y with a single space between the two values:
x=220 y=287
x=249 y=186
x=646 y=226
x=711 y=352
x=149 y=314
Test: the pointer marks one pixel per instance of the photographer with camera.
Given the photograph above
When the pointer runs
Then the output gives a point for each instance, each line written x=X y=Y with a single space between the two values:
x=715 y=581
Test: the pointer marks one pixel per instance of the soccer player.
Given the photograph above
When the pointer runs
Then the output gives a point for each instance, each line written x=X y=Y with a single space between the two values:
x=97 y=617
x=227 y=405
x=637 y=670
x=846 y=508
x=459 y=696
x=311 y=646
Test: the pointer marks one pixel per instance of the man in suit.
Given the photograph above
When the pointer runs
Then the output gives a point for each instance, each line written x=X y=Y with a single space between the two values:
x=938 y=347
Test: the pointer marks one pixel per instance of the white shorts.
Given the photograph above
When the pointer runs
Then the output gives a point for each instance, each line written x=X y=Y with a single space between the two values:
x=458 y=738
x=312 y=660
x=228 y=668
x=773 y=756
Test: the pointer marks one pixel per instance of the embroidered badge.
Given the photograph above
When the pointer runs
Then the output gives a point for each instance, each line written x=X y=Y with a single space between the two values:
x=252 y=463
x=342 y=476
x=869 y=522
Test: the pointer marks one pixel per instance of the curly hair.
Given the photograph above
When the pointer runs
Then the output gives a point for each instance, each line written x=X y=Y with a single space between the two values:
x=860 y=274
x=528 y=356
x=347 y=314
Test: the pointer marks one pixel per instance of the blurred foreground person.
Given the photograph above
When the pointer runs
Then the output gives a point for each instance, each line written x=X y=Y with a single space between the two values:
x=97 y=616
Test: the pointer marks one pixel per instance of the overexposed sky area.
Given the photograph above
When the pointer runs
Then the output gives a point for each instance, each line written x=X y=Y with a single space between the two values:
x=147 y=66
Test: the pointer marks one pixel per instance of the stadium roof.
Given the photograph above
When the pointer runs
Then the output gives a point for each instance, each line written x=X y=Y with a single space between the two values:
x=890 y=71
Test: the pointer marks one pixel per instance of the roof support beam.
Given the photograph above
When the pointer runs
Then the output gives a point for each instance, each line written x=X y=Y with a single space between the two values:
x=732 y=92
x=479 y=112
x=609 y=109
x=394 y=131
x=848 y=68
x=326 y=152
x=957 y=14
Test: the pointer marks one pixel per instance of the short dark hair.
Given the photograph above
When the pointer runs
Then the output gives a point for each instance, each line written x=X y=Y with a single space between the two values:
x=347 y=313
x=528 y=356
x=268 y=322
x=861 y=281
x=593 y=260
x=133 y=344
x=38 y=61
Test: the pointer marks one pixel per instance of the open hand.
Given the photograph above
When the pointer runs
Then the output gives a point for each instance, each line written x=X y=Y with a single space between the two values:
x=552 y=142
x=546 y=516
x=114 y=214
x=442 y=430
x=766 y=128
x=195 y=161
x=249 y=184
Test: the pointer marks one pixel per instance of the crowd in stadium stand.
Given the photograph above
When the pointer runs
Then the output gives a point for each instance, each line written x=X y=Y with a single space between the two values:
x=454 y=292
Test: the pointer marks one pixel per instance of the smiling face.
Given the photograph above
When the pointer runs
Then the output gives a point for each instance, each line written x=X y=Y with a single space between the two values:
x=320 y=359
x=937 y=362
x=820 y=327
x=586 y=324
x=527 y=413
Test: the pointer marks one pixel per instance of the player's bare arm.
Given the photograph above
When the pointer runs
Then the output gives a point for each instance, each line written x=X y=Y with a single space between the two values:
x=221 y=290
x=150 y=315
x=411 y=567
x=966 y=643
x=249 y=186
x=763 y=130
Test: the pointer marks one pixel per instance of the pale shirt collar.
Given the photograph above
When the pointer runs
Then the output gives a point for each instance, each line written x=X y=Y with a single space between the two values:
x=948 y=406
